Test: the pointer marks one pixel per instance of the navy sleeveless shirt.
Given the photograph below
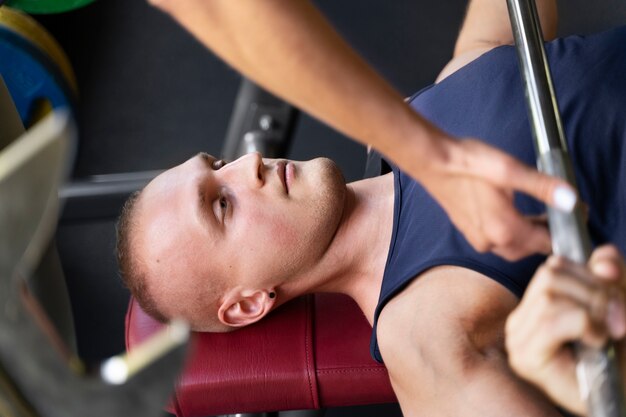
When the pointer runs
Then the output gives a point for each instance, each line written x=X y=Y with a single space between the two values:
x=485 y=99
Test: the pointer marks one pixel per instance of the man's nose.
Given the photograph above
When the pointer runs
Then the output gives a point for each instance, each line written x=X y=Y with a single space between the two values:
x=248 y=169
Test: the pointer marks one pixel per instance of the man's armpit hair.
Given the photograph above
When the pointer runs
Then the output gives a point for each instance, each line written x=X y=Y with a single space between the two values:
x=133 y=276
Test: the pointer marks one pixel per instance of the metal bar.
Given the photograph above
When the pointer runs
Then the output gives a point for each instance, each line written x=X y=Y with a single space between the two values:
x=570 y=237
x=100 y=197
x=598 y=375
x=541 y=99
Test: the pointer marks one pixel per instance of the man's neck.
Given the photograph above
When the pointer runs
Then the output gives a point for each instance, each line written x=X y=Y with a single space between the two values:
x=355 y=260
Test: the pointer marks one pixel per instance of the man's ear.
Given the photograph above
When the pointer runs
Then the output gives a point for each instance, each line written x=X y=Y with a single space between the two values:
x=241 y=308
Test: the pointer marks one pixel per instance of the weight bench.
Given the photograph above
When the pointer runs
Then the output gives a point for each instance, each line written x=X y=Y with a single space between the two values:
x=311 y=353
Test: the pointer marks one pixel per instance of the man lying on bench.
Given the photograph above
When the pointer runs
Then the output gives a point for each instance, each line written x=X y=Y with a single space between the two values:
x=222 y=244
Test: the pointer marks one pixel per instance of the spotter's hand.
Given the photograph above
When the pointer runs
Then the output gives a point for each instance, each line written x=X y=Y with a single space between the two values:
x=566 y=302
x=475 y=185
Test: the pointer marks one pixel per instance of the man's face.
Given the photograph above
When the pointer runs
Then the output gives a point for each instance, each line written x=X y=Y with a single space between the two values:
x=250 y=222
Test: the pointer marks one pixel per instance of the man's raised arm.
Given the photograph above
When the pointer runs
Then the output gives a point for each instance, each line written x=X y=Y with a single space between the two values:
x=290 y=49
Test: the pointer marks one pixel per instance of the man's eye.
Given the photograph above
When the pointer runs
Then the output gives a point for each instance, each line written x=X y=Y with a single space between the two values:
x=220 y=207
x=219 y=164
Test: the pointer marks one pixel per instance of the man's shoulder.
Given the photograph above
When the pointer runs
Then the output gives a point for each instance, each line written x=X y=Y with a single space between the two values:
x=440 y=301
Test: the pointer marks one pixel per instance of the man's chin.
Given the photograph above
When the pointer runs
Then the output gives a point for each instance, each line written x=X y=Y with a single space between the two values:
x=329 y=170
x=331 y=179
x=331 y=193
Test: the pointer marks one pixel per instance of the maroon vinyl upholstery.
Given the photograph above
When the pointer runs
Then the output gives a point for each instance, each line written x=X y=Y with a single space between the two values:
x=312 y=352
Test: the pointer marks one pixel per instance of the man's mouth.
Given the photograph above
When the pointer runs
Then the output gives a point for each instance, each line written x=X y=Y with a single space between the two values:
x=290 y=174
x=282 y=174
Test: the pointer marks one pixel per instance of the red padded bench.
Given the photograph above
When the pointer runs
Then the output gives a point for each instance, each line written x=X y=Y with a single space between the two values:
x=312 y=352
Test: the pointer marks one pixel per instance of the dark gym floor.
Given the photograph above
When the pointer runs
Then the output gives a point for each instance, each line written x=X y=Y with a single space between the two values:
x=151 y=96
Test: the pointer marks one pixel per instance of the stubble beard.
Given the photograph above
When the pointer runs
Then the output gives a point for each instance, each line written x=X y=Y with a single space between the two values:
x=328 y=207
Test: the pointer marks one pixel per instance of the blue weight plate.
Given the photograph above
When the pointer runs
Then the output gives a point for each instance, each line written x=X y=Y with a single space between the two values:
x=31 y=76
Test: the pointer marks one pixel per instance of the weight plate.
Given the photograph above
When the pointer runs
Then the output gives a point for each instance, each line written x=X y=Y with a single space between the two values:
x=33 y=66
x=47 y=6
x=30 y=29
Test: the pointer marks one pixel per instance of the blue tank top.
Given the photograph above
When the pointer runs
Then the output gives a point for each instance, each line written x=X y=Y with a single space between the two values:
x=485 y=99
